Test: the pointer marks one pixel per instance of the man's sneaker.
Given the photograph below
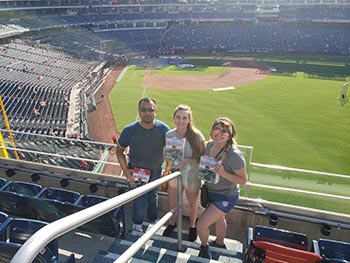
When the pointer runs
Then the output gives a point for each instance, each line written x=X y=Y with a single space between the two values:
x=168 y=230
x=137 y=227
x=192 y=236
x=214 y=244
x=205 y=252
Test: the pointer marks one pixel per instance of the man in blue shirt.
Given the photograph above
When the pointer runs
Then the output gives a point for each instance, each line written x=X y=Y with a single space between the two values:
x=143 y=141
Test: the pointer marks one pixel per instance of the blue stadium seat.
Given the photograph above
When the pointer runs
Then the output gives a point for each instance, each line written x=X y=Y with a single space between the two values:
x=90 y=200
x=19 y=230
x=60 y=195
x=50 y=210
x=3 y=181
x=107 y=225
x=3 y=218
x=334 y=251
x=99 y=224
x=281 y=237
x=24 y=188
x=15 y=204
x=9 y=249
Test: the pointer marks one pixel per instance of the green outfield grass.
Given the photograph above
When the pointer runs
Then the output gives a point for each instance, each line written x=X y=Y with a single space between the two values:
x=290 y=121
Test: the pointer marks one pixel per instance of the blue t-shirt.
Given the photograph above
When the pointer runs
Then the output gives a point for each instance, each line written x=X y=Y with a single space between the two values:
x=145 y=145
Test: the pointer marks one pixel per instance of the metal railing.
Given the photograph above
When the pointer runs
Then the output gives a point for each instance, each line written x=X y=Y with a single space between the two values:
x=32 y=247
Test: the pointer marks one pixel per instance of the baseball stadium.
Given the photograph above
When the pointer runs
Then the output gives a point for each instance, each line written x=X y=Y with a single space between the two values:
x=72 y=73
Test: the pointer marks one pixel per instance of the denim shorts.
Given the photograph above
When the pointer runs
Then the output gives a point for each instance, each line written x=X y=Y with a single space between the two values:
x=223 y=202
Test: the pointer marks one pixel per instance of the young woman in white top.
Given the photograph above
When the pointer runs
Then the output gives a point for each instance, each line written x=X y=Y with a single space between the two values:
x=188 y=166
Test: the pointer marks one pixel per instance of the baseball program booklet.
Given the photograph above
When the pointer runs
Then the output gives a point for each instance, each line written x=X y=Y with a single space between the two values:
x=174 y=149
x=141 y=176
x=207 y=168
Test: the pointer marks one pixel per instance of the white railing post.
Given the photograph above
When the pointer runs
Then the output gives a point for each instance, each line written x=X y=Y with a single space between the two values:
x=179 y=214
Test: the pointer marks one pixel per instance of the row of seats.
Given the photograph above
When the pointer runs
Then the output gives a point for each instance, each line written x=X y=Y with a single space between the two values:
x=42 y=87
x=30 y=200
x=14 y=232
x=272 y=245
x=269 y=37
x=40 y=147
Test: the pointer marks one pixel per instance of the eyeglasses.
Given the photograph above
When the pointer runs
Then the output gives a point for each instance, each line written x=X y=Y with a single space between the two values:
x=224 y=132
x=150 y=110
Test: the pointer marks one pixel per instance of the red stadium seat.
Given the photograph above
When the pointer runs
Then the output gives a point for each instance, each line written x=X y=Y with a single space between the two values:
x=274 y=253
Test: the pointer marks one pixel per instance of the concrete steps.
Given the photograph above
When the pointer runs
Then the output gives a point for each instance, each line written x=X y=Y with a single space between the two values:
x=164 y=249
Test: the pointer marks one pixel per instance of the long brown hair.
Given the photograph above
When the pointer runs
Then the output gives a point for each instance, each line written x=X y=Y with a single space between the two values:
x=192 y=133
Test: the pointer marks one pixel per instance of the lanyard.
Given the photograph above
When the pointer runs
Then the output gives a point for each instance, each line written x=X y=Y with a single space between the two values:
x=216 y=156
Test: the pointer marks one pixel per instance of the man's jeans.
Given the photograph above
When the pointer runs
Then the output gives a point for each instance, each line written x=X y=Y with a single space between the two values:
x=149 y=202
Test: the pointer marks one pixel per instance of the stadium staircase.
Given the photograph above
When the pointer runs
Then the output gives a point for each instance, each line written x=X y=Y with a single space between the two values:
x=164 y=249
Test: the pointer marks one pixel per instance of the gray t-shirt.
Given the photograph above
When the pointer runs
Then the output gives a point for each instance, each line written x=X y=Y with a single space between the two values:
x=234 y=161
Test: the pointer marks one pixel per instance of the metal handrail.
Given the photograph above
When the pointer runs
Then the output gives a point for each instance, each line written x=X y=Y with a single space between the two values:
x=31 y=248
x=143 y=239
x=134 y=248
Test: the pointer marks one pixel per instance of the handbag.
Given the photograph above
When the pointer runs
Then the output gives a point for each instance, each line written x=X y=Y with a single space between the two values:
x=204 y=196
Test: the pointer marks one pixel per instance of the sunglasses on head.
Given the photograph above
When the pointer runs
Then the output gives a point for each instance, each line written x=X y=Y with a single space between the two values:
x=147 y=110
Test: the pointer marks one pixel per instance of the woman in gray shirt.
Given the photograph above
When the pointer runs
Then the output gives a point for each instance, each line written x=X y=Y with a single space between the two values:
x=223 y=195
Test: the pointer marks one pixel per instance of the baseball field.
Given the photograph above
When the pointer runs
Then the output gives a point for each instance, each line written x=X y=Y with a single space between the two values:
x=286 y=108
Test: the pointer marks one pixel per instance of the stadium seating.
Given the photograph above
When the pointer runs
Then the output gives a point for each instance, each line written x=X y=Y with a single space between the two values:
x=60 y=195
x=281 y=237
x=19 y=230
x=51 y=204
x=267 y=252
x=102 y=224
x=272 y=245
x=15 y=204
x=24 y=188
x=50 y=210
x=90 y=200
x=2 y=182
x=9 y=249
x=3 y=217
x=334 y=251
